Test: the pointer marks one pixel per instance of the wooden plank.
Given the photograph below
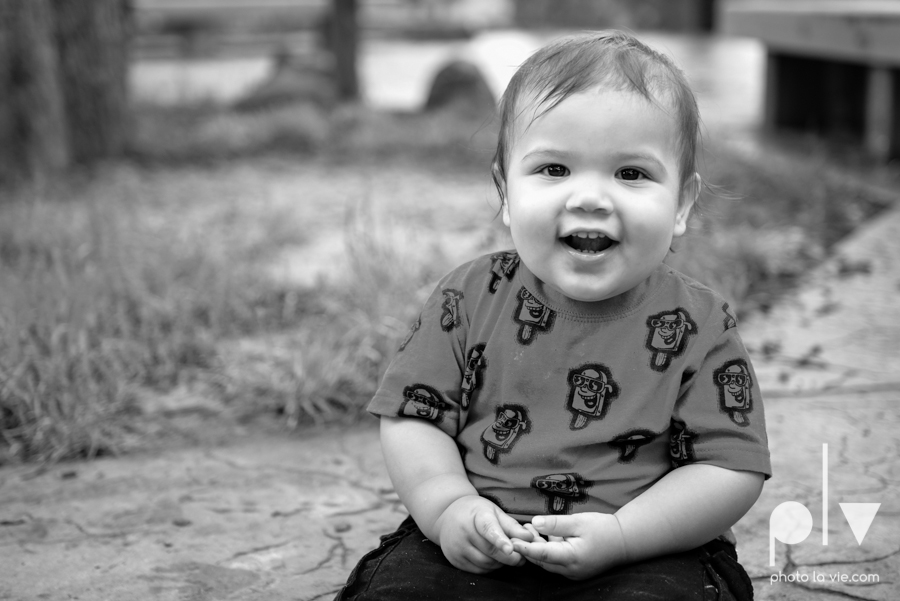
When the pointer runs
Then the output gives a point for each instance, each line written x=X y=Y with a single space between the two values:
x=772 y=91
x=833 y=7
x=867 y=32
x=880 y=109
x=181 y=6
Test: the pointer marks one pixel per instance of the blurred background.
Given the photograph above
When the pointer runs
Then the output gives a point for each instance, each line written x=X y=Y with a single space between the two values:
x=222 y=215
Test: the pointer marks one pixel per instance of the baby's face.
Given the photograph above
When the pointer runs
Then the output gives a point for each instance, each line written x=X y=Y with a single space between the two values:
x=592 y=193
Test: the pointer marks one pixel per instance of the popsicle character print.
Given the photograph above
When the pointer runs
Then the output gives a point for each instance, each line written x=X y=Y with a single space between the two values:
x=420 y=400
x=730 y=320
x=503 y=265
x=668 y=336
x=532 y=317
x=475 y=364
x=734 y=386
x=450 y=316
x=591 y=390
x=681 y=444
x=511 y=424
x=628 y=443
x=412 y=331
x=562 y=491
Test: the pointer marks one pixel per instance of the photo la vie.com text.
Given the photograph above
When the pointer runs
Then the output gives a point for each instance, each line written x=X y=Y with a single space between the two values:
x=791 y=522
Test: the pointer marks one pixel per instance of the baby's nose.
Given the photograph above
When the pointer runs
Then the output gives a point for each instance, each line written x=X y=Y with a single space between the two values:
x=590 y=193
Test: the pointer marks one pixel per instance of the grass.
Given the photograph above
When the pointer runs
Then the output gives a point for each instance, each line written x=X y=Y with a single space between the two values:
x=329 y=363
x=771 y=213
x=155 y=276
x=101 y=298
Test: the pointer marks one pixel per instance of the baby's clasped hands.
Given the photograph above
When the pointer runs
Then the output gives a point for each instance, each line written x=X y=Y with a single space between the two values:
x=576 y=546
x=475 y=535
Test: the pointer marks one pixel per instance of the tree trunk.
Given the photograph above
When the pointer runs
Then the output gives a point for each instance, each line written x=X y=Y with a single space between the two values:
x=92 y=41
x=63 y=82
x=33 y=131
x=344 y=33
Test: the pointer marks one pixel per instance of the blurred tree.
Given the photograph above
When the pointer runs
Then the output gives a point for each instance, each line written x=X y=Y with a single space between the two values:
x=33 y=133
x=63 y=82
x=342 y=39
x=92 y=42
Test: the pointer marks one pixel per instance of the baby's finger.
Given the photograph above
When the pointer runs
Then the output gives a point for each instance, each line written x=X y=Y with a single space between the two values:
x=491 y=541
x=535 y=535
x=487 y=525
x=545 y=553
x=513 y=558
x=551 y=567
x=512 y=528
x=558 y=525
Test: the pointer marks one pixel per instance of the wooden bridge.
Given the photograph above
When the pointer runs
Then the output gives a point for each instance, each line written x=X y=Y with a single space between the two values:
x=833 y=66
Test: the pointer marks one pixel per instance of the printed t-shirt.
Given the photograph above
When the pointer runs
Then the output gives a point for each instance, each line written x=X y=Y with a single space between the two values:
x=561 y=406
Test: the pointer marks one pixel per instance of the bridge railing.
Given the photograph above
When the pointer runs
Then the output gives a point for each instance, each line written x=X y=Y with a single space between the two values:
x=833 y=66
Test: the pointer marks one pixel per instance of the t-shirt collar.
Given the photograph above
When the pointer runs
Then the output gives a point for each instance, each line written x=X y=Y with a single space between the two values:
x=611 y=307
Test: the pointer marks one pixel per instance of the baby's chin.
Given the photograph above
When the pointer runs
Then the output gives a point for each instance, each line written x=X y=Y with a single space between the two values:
x=585 y=294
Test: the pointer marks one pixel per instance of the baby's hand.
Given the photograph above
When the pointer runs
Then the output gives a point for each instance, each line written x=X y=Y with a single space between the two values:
x=577 y=546
x=475 y=535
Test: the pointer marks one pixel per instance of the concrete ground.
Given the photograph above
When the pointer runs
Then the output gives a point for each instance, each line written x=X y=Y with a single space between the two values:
x=280 y=517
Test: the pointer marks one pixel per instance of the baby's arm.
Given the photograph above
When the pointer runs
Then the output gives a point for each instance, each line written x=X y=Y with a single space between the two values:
x=688 y=507
x=428 y=474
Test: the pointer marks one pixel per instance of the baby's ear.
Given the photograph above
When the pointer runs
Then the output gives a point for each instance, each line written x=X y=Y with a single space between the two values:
x=689 y=194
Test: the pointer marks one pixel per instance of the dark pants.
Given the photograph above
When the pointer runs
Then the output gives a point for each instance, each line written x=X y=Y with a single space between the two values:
x=409 y=566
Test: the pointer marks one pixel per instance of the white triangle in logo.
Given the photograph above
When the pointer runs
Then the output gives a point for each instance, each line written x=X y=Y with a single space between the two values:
x=859 y=516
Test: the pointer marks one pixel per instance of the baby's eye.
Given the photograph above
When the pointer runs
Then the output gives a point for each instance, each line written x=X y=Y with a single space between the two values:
x=631 y=174
x=555 y=170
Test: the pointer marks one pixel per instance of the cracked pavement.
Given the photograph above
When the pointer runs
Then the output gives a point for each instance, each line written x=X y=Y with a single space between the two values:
x=268 y=518
x=287 y=517
x=828 y=361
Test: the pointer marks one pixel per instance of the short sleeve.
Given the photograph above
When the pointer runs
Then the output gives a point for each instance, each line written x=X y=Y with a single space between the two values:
x=423 y=381
x=719 y=417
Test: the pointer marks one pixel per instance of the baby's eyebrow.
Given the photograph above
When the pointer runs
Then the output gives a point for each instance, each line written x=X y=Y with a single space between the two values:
x=543 y=152
x=548 y=153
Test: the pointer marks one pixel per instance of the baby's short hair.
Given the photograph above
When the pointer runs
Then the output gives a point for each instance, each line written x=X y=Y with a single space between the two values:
x=613 y=59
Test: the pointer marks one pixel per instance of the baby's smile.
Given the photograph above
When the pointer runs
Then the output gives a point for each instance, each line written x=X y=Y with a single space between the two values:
x=588 y=242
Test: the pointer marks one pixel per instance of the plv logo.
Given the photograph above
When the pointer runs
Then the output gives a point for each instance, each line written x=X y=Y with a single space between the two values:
x=791 y=522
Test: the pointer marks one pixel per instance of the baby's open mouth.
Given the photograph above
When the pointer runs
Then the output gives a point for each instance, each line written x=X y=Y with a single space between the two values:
x=588 y=242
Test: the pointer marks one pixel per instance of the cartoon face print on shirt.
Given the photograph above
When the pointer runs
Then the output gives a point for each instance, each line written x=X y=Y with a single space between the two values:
x=734 y=386
x=511 y=424
x=420 y=400
x=450 y=316
x=475 y=364
x=412 y=330
x=628 y=443
x=591 y=390
x=562 y=491
x=532 y=316
x=730 y=319
x=681 y=444
x=668 y=336
x=503 y=265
